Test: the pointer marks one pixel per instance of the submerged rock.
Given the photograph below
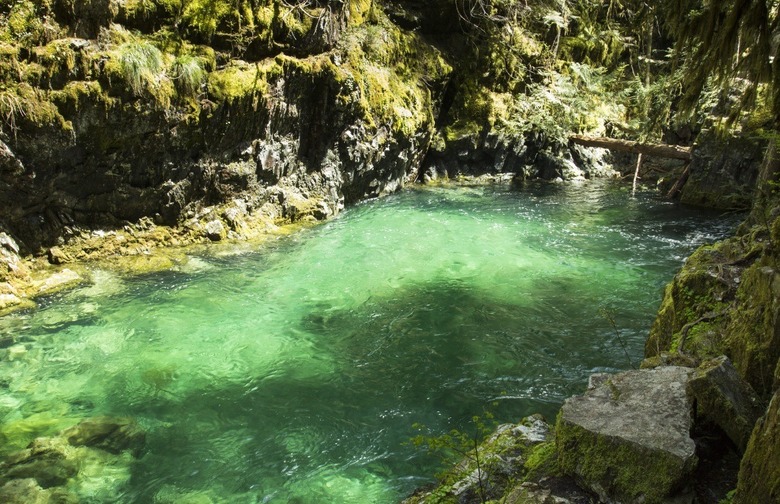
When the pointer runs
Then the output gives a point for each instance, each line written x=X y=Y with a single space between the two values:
x=28 y=491
x=725 y=399
x=47 y=461
x=627 y=438
x=93 y=458
x=111 y=434
x=58 y=281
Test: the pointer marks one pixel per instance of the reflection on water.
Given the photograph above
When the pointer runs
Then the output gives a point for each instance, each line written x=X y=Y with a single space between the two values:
x=294 y=374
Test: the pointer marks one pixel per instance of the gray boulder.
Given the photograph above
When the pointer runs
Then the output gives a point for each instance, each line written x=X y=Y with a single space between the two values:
x=627 y=438
x=214 y=230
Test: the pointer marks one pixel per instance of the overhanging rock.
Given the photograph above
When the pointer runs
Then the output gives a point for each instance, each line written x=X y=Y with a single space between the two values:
x=628 y=437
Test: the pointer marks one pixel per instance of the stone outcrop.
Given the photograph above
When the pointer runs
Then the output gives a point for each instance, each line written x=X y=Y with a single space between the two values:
x=724 y=399
x=724 y=301
x=628 y=437
x=723 y=172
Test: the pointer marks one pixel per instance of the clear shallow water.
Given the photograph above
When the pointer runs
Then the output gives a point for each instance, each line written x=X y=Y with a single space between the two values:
x=295 y=373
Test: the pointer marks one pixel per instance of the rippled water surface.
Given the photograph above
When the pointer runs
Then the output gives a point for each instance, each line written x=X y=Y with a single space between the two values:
x=294 y=373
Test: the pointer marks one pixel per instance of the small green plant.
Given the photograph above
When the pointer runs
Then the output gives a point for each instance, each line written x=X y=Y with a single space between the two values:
x=188 y=74
x=141 y=64
x=729 y=497
x=609 y=315
x=24 y=23
x=457 y=446
x=10 y=109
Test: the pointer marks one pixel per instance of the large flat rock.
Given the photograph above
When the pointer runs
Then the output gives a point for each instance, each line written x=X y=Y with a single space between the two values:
x=628 y=437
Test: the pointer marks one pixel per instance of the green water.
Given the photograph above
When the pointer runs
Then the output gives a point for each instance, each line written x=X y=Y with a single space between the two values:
x=294 y=373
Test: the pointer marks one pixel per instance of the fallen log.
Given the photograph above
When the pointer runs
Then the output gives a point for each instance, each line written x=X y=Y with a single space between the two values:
x=648 y=149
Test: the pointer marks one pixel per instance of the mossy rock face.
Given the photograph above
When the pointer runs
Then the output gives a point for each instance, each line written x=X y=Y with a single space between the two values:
x=759 y=474
x=753 y=336
x=695 y=307
x=723 y=174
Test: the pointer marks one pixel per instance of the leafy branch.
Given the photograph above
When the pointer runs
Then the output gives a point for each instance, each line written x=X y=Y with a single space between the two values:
x=457 y=446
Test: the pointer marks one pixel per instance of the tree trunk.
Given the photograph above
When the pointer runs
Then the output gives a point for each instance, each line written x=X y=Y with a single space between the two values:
x=648 y=149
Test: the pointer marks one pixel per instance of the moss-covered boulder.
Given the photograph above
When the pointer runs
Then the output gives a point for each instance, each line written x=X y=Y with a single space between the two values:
x=48 y=461
x=753 y=334
x=759 y=474
x=694 y=310
x=513 y=454
x=628 y=437
x=111 y=434
x=724 y=399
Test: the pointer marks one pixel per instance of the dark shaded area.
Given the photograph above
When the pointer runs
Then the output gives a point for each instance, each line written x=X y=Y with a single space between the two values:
x=718 y=467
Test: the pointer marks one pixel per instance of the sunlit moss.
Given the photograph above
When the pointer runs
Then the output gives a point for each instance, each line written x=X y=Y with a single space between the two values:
x=76 y=94
x=237 y=80
x=188 y=74
x=141 y=64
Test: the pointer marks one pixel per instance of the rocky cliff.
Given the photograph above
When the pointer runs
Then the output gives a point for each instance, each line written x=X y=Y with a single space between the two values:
x=127 y=125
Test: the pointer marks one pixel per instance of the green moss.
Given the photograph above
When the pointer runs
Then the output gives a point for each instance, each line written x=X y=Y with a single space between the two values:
x=506 y=458
x=76 y=94
x=391 y=69
x=625 y=472
x=753 y=337
x=25 y=104
x=700 y=289
x=759 y=473
x=238 y=80
x=24 y=24
x=541 y=460
x=57 y=58
x=359 y=10
x=207 y=15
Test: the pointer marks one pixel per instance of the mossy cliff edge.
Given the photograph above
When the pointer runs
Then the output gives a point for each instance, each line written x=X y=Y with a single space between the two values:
x=128 y=125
